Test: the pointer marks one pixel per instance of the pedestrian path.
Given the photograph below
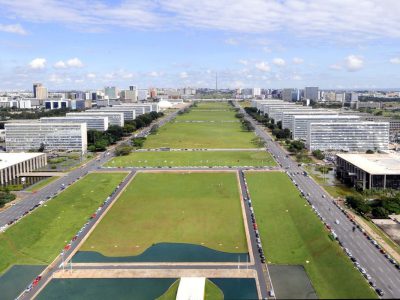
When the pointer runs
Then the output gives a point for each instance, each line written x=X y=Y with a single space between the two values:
x=191 y=288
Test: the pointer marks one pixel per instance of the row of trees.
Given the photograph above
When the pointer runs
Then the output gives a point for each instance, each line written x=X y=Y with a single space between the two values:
x=99 y=140
x=246 y=125
x=5 y=197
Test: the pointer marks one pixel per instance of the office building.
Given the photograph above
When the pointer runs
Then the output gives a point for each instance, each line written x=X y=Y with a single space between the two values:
x=288 y=115
x=111 y=92
x=14 y=165
x=311 y=92
x=54 y=136
x=129 y=96
x=256 y=92
x=369 y=171
x=129 y=113
x=301 y=123
x=114 y=118
x=92 y=122
x=39 y=91
x=350 y=99
x=348 y=136
x=56 y=103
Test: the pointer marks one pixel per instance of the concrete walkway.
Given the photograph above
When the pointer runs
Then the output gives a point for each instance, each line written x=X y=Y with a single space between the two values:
x=191 y=288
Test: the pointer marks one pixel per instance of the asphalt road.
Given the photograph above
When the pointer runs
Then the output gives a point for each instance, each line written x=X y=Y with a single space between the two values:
x=383 y=273
x=261 y=268
x=49 y=191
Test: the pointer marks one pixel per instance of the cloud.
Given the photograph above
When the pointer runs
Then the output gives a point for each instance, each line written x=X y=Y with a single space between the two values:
x=183 y=75
x=38 y=63
x=232 y=41
x=263 y=66
x=323 y=18
x=297 y=60
x=60 y=65
x=13 y=28
x=395 y=60
x=243 y=62
x=91 y=75
x=154 y=74
x=354 y=63
x=74 y=63
x=279 y=62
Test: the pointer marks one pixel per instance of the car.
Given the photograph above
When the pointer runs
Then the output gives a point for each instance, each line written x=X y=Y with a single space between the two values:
x=323 y=196
x=379 y=292
x=337 y=221
x=371 y=283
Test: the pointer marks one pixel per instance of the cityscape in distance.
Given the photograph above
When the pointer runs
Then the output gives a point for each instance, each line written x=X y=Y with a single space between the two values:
x=199 y=149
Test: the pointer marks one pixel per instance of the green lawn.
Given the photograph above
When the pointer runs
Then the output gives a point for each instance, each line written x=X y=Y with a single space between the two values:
x=170 y=294
x=206 y=115
x=293 y=234
x=196 y=208
x=217 y=105
x=39 y=237
x=41 y=184
x=212 y=291
x=193 y=158
x=200 y=135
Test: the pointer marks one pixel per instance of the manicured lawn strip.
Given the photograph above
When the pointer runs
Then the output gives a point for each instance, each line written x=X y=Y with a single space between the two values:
x=212 y=291
x=207 y=115
x=39 y=237
x=213 y=105
x=292 y=234
x=193 y=158
x=200 y=135
x=41 y=184
x=196 y=208
x=170 y=294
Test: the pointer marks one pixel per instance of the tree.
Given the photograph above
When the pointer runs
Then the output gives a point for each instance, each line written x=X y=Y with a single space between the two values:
x=358 y=204
x=380 y=213
x=138 y=142
x=318 y=154
x=279 y=124
x=154 y=129
x=42 y=147
x=369 y=151
x=123 y=149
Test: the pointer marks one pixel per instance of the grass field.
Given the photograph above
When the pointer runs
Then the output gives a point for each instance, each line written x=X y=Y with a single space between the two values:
x=211 y=292
x=41 y=184
x=207 y=115
x=193 y=158
x=201 y=135
x=39 y=237
x=293 y=234
x=213 y=105
x=197 y=208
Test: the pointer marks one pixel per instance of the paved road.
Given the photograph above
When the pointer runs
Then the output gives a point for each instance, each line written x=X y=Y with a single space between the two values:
x=14 y=212
x=383 y=273
x=261 y=268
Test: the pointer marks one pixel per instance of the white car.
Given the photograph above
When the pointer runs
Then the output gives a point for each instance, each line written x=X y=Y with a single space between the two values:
x=337 y=221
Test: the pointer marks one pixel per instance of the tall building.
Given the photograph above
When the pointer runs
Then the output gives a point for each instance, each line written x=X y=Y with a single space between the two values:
x=287 y=94
x=153 y=93
x=39 y=91
x=92 y=122
x=351 y=99
x=311 y=92
x=256 y=92
x=54 y=136
x=129 y=95
x=348 y=136
x=111 y=92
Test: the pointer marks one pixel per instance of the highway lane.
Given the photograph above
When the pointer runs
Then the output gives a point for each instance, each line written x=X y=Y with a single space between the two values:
x=49 y=191
x=383 y=273
x=261 y=268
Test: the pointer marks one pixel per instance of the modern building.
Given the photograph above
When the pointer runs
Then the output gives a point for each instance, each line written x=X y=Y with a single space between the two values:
x=143 y=108
x=56 y=103
x=12 y=165
x=111 y=92
x=301 y=123
x=92 y=122
x=369 y=171
x=53 y=136
x=348 y=136
x=129 y=113
x=311 y=92
x=39 y=91
x=256 y=92
x=350 y=99
x=288 y=115
x=114 y=118
x=129 y=96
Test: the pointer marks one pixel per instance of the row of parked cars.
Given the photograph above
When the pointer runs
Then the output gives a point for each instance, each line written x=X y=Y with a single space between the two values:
x=74 y=239
x=367 y=236
x=334 y=236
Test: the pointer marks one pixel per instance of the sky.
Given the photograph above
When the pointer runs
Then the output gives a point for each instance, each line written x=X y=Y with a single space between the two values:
x=85 y=44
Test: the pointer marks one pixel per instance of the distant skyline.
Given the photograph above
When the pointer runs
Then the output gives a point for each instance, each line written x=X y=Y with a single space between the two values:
x=338 y=44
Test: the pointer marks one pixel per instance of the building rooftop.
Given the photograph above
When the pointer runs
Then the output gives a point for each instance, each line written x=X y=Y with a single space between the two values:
x=322 y=116
x=10 y=159
x=376 y=164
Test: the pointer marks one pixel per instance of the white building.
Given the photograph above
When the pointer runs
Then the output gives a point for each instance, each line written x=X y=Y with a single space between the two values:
x=348 y=136
x=301 y=123
x=12 y=165
x=92 y=122
x=256 y=92
x=129 y=113
x=54 y=136
x=288 y=115
x=114 y=118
